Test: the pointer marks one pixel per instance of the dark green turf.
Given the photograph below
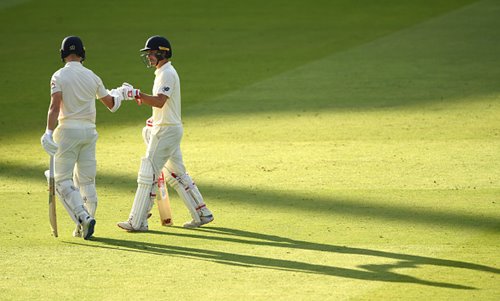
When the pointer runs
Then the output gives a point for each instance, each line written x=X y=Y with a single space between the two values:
x=218 y=46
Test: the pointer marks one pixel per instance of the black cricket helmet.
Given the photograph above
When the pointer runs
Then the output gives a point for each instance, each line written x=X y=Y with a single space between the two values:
x=72 y=44
x=158 y=43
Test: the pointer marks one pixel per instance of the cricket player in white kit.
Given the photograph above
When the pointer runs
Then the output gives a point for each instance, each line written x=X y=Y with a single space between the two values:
x=164 y=138
x=74 y=89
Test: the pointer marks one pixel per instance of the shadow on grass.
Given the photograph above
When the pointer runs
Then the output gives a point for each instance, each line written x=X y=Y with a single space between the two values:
x=284 y=201
x=359 y=208
x=372 y=272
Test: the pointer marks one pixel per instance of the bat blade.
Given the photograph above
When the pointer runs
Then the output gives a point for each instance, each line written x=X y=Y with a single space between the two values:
x=163 y=203
x=52 y=198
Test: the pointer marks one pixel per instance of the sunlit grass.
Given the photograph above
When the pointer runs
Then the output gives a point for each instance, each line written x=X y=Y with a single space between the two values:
x=364 y=174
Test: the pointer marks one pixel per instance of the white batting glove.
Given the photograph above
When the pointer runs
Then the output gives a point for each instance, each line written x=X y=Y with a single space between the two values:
x=129 y=92
x=48 y=143
x=146 y=131
x=116 y=93
x=146 y=134
x=118 y=97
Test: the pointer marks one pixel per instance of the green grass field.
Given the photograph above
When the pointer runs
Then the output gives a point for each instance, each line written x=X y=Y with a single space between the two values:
x=350 y=150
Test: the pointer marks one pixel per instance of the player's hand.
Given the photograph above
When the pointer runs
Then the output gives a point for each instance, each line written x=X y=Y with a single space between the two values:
x=146 y=131
x=146 y=134
x=130 y=93
x=48 y=143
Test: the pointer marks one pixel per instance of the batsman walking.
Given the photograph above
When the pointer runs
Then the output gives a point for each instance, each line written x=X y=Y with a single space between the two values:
x=74 y=89
x=163 y=148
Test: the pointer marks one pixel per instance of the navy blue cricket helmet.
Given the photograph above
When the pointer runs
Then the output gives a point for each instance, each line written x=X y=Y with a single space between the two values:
x=72 y=44
x=158 y=43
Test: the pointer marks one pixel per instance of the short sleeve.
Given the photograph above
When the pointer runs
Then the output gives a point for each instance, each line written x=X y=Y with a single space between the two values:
x=55 y=84
x=167 y=85
x=101 y=91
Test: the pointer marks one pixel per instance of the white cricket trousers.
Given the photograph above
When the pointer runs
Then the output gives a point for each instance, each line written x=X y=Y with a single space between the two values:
x=164 y=149
x=76 y=148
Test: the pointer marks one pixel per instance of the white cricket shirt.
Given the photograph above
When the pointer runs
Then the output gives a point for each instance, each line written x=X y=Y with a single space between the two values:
x=167 y=83
x=80 y=87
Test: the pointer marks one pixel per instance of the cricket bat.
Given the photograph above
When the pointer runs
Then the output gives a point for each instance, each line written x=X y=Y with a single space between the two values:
x=52 y=198
x=163 y=202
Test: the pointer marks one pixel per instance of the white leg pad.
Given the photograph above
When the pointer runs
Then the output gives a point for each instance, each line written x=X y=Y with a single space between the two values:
x=71 y=200
x=189 y=194
x=144 y=196
x=196 y=195
x=89 y=195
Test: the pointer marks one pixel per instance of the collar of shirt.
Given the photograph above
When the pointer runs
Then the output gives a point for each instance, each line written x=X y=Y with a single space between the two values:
x=165 y=66
x=73 y=64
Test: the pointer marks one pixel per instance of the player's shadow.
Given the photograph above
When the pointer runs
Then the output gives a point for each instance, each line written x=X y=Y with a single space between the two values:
x=371 y=272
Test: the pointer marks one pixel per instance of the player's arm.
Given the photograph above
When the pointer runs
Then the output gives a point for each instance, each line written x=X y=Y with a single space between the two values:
x=108 y=101
x=47 y=141
x=54 y=108
x=154 y=101
x=113 y=98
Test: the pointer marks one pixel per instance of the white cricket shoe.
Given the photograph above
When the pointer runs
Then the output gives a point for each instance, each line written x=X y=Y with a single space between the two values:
x=88 y=227
x=127 y=226
x=204 y=220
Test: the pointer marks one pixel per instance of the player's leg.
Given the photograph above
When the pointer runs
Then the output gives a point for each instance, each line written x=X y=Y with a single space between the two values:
x=180 y=180
x=69 y=195
x=85 y=173
x=145 y=193
x=71 y=199
x=144 y=198
x=84 y=177
x=175 y=165
x=161 y=143
x=78 y=232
